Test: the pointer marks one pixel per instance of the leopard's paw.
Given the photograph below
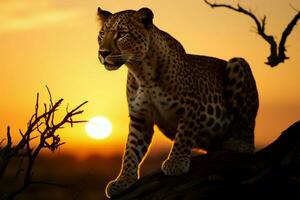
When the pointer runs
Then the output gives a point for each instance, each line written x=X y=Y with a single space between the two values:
x=119 y=185
x=176 y=166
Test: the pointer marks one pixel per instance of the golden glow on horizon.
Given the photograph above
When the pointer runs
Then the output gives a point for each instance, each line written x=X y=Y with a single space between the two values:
x=98 y=128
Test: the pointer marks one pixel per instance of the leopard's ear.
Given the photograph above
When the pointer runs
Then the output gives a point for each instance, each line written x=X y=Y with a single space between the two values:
x=103 y=15
x=145 y=16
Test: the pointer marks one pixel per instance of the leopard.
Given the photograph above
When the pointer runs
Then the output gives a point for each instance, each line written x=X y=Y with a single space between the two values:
x=196 y=101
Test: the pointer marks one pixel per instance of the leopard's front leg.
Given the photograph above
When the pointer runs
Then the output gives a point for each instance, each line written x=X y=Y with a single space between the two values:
x=139 y=138
x=178 y=161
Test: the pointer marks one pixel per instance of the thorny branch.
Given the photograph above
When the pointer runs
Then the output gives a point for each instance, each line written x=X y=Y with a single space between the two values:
x=42 y=126
x=277 y=52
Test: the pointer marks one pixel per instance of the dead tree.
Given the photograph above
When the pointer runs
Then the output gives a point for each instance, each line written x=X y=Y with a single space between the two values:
x=42 y=126
x=277 y=50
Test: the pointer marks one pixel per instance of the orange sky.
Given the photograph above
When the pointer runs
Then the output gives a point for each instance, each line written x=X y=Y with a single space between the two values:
x=54 y=43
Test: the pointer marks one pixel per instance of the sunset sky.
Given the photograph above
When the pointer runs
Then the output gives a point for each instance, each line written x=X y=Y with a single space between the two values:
x=54 y=43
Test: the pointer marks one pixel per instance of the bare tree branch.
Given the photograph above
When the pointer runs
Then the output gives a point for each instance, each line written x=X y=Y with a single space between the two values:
x=286 y=33
x=42 y=126
x=277 y=53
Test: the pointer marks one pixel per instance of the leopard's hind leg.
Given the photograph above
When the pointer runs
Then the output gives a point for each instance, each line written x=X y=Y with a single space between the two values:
x=241 y=99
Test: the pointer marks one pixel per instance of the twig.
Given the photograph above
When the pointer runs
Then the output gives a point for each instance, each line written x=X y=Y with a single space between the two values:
x=277 y=52
x=9 y=142
x=2 y=142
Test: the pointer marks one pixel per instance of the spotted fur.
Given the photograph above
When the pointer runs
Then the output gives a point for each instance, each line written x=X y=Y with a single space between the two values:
x=196 y=101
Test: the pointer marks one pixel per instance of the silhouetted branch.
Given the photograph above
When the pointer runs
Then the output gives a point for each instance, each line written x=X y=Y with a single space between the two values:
x=41 y=126
x=277 y=53
x=9 y=142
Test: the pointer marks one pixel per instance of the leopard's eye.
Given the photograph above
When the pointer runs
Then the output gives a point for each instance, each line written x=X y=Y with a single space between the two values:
x=101 y=34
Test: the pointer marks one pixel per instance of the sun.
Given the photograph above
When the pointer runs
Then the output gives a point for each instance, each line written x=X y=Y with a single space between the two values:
x=98 y=127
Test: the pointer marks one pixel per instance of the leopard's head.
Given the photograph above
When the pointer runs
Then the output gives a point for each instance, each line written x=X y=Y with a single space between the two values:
x=124 y=37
